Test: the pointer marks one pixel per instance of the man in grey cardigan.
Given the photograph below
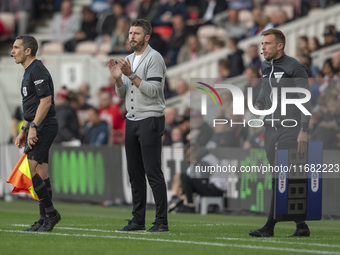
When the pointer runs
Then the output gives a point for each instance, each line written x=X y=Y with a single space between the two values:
x=139 y=80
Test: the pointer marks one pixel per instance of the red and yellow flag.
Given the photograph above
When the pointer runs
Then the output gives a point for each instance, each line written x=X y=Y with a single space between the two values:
x=21 y=178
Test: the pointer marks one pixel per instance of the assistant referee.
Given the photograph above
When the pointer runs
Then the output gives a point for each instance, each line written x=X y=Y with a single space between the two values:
x=40 y=126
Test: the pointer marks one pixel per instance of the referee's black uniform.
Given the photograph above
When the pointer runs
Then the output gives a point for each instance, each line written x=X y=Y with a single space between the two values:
x=36 y=84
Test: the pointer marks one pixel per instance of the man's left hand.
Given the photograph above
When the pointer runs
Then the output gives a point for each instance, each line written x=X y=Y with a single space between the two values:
x=125 y=66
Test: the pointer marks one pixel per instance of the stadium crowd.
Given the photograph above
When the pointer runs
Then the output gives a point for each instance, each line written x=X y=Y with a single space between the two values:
x=180 y=35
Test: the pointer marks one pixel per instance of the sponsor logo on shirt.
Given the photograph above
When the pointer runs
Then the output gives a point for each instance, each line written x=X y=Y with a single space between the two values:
x=38 y=82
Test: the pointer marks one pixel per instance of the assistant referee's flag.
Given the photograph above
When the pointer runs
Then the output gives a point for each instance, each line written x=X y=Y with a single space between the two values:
x=21 y=177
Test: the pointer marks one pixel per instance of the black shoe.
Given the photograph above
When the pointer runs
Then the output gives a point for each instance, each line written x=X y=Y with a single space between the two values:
x=301 y=232
x=34 y=227
x=49 y=223
x=132 y=226
x=262 y=232
x=159 y=228
x=186 y=209
x=175 y=203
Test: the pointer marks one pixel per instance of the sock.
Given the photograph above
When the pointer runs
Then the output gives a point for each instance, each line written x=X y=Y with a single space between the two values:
x=41 y=206
x=41 y=190
x=49 y=187
x=301 y=224
x=270 y=225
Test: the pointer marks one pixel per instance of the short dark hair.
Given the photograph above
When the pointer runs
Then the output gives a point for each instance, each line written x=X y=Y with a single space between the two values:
x=279 y=36
x=147 y=28
x=29 y=41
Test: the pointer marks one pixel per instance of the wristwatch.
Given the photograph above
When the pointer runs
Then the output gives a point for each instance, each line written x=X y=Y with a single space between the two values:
x=132 y=76
x=23 y=128
x=304 y=128
x=33 y=125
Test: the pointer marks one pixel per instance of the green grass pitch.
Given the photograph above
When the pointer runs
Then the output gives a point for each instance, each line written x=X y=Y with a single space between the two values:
x=90 y=229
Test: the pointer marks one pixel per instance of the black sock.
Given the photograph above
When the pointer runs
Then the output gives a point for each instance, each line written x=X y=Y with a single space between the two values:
x=49 y=187
x=301 y=224
x=41 y=206
x=41 y=190
x=270 y=225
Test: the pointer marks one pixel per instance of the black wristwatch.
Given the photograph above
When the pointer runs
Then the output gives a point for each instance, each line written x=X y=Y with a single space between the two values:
x=304 y=128
x=23 y=128
x=32 y=125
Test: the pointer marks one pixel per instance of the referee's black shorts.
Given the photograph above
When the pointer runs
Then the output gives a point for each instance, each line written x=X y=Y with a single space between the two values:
x=47 y=131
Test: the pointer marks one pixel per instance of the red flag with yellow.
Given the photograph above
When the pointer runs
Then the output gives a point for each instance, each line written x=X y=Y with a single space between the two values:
x=21 y=177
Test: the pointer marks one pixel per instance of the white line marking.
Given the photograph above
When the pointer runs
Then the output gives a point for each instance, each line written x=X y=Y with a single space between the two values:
x=278 y=241
x=179 y=241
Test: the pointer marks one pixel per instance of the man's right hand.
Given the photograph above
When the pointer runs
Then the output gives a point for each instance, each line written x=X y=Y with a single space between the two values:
x=20 y=139
x=114 y=69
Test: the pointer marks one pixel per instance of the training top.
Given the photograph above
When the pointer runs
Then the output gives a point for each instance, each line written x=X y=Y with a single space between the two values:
x=284 y=72
x=36 y=84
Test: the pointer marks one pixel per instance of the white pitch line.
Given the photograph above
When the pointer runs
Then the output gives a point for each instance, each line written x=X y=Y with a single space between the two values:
x=179 y=242
x=277 y=241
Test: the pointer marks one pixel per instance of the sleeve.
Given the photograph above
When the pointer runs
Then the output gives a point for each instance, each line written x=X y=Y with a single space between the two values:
x=260 y=101
x=41 y=82
x=121 y=92
x=301 y=81
x=152 y=87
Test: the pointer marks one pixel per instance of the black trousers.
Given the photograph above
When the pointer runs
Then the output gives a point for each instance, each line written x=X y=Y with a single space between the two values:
x=143 y=148
x=199 y=186
x=271 y=137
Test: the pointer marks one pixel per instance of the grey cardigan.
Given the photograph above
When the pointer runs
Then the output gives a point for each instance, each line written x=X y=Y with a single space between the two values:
x=147 y=100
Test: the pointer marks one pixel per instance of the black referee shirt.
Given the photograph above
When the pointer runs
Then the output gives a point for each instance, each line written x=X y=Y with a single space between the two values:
x=36 y=84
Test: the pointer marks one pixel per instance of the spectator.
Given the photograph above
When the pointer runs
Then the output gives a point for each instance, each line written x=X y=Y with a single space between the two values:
x=203 y=184
x=22 y=10
x=168 y=93
x=223 y=70
x=177 y=138
x=119 y=36
x=96 y=131
x=328 y=73
x=200 y=131
x=329 y=36
x=111 y=113
x=229 y=20
x=328 y=128
x=87 y=30
x=277 y=18
x=16 y=123
x=68 y=132
x=253 y=54
x=254 y=82
x=171 y=121
x=182 y=87
x=260 y=22
x=235 y=57
x=214 y=44
x=302 y=46
x=84 y=89
x=191 y=50
x=168 y=10
x=177 y=39
x=107 y=24
x=65 y=24
x=207 y=9
x=148 y=10
x=336 y=62
x=313 y=44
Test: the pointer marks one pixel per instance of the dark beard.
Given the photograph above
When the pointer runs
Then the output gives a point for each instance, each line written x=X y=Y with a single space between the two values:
x=138 y=46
